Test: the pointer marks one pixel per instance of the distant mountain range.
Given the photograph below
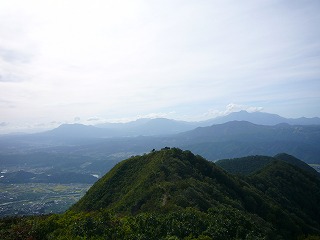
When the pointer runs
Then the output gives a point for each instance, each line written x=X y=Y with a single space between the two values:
x=240 y=138
x=261 y=118
x=163 y=126
x=227 y=140
x=94 y=150
x=73 y=145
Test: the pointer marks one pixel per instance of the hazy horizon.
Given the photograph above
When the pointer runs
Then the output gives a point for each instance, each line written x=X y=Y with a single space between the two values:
x=106 y=61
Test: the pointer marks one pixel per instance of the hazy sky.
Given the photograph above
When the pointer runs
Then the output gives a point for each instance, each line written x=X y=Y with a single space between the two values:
x=90 y=61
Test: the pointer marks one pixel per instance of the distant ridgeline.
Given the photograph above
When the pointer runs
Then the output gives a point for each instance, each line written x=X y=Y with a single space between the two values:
x=174 y=194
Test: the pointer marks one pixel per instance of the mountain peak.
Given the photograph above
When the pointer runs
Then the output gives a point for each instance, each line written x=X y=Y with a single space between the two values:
x=159 y=181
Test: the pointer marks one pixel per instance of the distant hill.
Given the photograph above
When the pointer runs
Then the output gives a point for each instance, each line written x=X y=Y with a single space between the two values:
x=261 y=118
x=246 y=131
x=240 y=138
x=245 y=165
x=296 y=162
x=295 y=190
x=171 y=179
x=251 y=164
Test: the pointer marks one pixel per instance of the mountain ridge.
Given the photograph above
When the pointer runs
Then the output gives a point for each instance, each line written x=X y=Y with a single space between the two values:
x=172 y=180
x=241 y=138
x=165 y=126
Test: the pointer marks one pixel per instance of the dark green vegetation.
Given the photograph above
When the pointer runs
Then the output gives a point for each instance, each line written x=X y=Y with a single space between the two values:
x=251 y=164
x=173 y=194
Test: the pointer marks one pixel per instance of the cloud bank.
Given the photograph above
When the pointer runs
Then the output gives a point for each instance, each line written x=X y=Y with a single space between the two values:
x=119 y=60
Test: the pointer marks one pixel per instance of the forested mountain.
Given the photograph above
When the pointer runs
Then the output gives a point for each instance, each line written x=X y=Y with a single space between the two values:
x=172 y=179
x=249 y=132
x=174 y=194
x=240 y=138
x=295 y=190
x=250 y=164
x=160 y=181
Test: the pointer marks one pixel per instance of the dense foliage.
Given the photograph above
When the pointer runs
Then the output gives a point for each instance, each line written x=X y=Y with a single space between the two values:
x=218 y=223
x=245 y=165
x=173 y=194
x=250 y=164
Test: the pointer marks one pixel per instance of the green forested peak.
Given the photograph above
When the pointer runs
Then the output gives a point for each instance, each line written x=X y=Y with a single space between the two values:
x=161 y=181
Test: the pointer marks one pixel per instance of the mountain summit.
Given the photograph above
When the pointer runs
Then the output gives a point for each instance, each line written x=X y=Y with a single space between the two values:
x=161 y=181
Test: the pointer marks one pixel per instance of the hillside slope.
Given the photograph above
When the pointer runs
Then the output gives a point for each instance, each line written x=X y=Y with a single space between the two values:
x=294 y=189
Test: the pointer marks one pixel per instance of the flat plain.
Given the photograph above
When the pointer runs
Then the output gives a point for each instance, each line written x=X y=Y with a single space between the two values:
x=38 y=198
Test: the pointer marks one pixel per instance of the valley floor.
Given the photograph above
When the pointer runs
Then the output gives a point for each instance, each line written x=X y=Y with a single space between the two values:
x=38 y=198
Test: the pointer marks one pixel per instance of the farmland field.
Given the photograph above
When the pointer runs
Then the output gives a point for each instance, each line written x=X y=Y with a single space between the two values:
x=38 y=198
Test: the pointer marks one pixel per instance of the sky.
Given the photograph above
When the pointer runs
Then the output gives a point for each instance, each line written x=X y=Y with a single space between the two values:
x=115 y=61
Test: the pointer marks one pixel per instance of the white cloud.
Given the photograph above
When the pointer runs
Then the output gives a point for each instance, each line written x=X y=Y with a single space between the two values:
x=230 y=108
x=94 y=119
x=118 y=59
